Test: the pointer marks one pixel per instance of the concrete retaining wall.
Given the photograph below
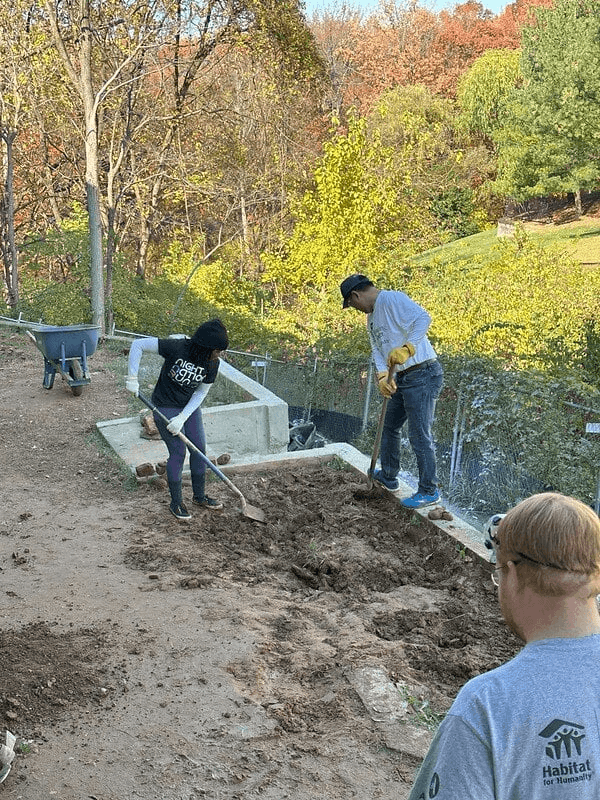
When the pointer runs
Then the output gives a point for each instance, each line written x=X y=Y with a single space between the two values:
x=258 y=427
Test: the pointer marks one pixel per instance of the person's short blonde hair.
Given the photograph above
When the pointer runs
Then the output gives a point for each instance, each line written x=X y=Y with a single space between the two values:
x=557 y=540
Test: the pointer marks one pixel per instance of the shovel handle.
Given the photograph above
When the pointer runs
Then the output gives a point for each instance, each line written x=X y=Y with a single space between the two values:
x=377 y=443
x=197 y=450
x=378 y=434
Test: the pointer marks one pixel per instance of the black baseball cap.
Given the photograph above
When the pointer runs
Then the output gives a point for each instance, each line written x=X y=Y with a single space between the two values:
x=352 y=282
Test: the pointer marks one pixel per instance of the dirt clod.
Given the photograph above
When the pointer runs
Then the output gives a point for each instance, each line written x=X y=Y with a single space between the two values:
x=440 y=513
x=144 y=470
x=435 y=513
x=149 y=429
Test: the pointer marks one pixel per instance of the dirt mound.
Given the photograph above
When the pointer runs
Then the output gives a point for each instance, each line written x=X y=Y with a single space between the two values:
x=319 y=539
x=144 y=658
x=45 y=672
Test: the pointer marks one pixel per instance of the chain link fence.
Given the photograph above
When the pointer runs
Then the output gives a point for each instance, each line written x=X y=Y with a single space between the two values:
x=336 y=395
x=500 y=435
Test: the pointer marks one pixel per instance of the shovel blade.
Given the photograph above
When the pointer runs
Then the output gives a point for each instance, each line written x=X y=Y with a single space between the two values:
x=252 y=512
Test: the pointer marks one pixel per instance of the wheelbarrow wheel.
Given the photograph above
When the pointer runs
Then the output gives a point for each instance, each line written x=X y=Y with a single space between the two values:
x=77 y=374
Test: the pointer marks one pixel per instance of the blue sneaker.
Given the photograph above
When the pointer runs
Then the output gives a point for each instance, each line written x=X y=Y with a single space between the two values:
x=390 y=483
x=418 y=500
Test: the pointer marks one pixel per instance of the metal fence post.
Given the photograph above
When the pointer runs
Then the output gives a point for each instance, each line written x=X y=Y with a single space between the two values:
x=368 y=391
x=256 y=363
x=457 y=434
x=594 y=427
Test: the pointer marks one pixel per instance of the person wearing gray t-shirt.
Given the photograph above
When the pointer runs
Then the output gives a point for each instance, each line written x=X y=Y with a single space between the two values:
x=529 y=730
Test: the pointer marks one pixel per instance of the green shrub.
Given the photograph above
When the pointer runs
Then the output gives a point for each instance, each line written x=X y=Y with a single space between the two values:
x=455 y=212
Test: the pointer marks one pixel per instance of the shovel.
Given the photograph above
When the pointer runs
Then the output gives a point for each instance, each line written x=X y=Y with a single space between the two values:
x=365 y=494
x=377 y=443
x=247 y=510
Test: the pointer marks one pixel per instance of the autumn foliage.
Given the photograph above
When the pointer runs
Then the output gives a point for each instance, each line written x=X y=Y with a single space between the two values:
x=409 y=44
x=253 y=159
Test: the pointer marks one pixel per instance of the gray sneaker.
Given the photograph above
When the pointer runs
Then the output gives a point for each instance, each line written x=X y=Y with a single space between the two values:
x=179 y=511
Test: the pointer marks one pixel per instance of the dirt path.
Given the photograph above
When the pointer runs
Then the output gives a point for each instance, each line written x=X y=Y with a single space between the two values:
x=142 y=658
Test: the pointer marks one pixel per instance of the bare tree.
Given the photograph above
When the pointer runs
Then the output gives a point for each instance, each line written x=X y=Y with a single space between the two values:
x=75 y=39
x=10 y=117
x=202 y=36
x=115 y=121
x=7 y=219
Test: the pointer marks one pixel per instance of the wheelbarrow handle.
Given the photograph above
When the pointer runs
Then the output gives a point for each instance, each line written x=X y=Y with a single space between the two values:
x=193 y=447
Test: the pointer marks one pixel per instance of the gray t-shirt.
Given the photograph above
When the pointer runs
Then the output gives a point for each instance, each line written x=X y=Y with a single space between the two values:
x=528 y=730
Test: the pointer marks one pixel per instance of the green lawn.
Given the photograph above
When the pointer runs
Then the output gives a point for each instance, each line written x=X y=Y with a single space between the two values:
x=480 y=244
x=583 y=237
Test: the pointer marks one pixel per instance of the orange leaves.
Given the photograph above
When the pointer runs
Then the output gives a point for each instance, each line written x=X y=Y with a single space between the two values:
x=408 y=44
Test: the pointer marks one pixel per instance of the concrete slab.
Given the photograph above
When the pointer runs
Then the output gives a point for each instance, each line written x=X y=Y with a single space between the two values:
x=240 y=429
x=124 y=437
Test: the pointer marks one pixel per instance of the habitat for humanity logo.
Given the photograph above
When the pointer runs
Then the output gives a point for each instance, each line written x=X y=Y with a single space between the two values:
x=564 y=746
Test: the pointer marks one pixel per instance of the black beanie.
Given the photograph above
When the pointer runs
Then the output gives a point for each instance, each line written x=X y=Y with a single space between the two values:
x=212 y=335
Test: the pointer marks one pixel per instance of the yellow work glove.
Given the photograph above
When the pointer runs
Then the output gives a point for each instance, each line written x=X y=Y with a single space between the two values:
x=400 y=354
x=386 y=389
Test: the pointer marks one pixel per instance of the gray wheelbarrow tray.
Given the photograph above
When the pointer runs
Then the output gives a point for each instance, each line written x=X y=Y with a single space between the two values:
x=66 y=350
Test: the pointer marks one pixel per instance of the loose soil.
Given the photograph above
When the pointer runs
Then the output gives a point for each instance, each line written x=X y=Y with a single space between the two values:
x=145 y=658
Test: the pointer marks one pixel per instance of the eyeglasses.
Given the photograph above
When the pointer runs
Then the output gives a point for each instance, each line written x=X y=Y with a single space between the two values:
x=539 y=563
x=495 y=576
x=496 y=572
x=496 y=582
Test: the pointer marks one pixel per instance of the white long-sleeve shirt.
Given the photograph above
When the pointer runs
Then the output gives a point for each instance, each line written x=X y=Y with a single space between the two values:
x=394 y=321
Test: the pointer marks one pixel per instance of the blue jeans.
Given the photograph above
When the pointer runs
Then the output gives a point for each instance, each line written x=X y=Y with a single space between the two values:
x=413 y=402
x=193 y=428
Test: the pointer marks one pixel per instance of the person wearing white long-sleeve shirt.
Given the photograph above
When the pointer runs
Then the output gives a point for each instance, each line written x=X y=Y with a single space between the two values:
x=398 y=333
x=190 y=368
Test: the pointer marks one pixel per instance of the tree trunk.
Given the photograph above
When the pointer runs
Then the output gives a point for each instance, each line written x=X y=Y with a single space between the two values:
x=9 y=247
x=244 y=220
x=578 y=204
x=91 y=172
x=155 y=196
x=110 y=252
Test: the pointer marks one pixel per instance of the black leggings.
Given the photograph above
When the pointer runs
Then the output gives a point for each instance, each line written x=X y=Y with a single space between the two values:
x=193 y=428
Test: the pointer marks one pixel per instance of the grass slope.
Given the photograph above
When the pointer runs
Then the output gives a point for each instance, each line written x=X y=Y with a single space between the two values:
x=581 y=237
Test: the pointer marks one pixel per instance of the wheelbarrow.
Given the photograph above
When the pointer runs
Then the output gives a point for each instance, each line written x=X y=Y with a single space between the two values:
x=66 y=349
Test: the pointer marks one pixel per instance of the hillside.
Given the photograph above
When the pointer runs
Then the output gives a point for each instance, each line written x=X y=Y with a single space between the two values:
x=581 y=236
